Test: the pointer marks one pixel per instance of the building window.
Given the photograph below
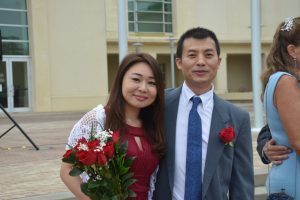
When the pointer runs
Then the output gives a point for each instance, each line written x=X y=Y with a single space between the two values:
x=14 y=27
x=150 y=16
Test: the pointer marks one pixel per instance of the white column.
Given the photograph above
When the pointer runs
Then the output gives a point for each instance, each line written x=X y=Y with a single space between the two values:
x=256 y=63
x=220 y=81
x=122 y=26
x=172 y=61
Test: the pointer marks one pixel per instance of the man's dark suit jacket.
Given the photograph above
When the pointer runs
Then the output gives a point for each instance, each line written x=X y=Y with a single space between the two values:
x=263 y=137
x=228 y=172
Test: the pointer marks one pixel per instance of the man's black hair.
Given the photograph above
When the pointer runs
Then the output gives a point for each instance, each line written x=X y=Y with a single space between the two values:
x=197 y=33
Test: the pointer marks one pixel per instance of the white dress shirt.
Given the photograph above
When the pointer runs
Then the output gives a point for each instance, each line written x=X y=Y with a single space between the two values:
x=205 y=111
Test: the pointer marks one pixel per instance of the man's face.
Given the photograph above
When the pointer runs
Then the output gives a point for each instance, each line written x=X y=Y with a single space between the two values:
x=199 y=63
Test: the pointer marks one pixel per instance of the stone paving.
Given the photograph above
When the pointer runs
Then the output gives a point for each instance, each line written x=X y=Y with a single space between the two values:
x=24 y=171
x=29 y=174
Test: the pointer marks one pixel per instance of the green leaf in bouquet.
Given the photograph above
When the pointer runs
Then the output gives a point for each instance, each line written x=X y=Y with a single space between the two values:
x=108 y=175
x=103 y=197
x=72 y=159
x=96 y=184
x=118 y=165
x=120 y=197
x=92 y=168
x=116 y=197
x=119 y=161
x=127 y=176
x=67 y=160
x=123 y=170
x=92 y=133
x=131 y=193
x=84 y=188
x=128 y=162
x=105 y=172
x=75 y=171
x=123 y=147
x=93 y=193
x=129 y=182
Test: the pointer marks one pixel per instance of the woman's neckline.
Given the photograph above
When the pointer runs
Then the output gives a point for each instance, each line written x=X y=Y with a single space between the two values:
x=131 y=126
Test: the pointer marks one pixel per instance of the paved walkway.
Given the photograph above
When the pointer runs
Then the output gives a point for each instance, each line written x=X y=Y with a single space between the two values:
x=27 y=174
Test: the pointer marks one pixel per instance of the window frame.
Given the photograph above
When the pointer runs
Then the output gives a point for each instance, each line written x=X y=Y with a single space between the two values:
x=135 y=12
x=23 y=41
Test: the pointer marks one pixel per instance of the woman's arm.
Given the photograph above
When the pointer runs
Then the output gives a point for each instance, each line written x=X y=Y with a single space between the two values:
x=93 y=119
x=287 y=101
x=72 y=182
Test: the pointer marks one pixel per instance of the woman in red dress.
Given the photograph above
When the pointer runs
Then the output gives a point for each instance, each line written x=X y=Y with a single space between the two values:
x=135 y=108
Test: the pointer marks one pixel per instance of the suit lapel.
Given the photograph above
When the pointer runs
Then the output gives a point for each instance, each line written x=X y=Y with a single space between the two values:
x=215 y=147
x=171 y=108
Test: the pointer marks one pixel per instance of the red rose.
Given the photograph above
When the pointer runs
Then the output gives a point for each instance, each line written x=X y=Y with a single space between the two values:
x=115 y=136
x=67 y=153
x=109 y=149
x=80 y=141
x=93 y=144
x=227 y=135
x=101 y=158
x=87 y=157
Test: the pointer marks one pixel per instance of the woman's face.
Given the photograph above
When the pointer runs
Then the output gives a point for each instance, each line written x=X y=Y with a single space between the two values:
x=297 y=52
x=139 y=86
x=294 y=52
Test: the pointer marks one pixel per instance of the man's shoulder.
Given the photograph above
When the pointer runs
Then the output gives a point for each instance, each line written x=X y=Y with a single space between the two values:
x=169 y=90
x=230 y=106
x=172 y=91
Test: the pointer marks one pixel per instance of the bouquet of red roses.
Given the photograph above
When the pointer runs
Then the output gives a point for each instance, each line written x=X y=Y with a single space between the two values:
x=103 y=158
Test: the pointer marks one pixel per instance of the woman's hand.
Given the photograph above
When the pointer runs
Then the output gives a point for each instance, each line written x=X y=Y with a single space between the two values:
x=72 y=182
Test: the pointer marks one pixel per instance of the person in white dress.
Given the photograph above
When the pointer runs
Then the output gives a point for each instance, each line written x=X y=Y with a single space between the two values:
x=135 y=109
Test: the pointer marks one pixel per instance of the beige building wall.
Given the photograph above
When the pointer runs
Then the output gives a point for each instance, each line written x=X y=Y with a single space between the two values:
x=231 y=21
x=74 y=46
x=68 y=50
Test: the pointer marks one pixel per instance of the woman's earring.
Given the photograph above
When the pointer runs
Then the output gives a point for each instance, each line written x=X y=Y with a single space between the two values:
x=295 y=62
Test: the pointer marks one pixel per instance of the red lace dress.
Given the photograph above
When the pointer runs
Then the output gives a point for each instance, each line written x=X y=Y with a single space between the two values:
x=144 y=164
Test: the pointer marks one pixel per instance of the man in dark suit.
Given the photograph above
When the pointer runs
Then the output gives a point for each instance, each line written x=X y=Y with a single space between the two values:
x=227 y=170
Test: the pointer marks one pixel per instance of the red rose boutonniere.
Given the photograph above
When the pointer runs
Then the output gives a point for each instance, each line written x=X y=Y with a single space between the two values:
x=227 y=135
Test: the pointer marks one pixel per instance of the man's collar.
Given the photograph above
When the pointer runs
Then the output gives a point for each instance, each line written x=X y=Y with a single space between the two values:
x=206 y=98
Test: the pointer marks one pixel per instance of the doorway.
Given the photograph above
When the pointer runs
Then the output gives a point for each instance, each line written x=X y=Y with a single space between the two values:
x=15 y=90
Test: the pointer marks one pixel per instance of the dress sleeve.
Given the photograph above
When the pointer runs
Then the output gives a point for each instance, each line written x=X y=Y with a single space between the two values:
x=92 y=120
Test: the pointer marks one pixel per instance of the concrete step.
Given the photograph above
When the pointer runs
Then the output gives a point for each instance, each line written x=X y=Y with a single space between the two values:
x=260 y=176
x=260 y=193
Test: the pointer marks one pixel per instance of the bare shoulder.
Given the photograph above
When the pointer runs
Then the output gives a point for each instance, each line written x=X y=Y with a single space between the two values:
x=287 y=84
x=287 y=79
x=287 y=92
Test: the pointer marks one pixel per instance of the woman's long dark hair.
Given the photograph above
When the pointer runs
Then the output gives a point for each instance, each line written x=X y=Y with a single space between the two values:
x=152 y=116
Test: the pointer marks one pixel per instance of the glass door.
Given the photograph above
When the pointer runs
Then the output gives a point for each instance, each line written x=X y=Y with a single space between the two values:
x=14 y=84
x=3 y=85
